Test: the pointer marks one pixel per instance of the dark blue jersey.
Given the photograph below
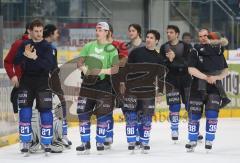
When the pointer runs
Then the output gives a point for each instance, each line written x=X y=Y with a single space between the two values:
x=44 y=62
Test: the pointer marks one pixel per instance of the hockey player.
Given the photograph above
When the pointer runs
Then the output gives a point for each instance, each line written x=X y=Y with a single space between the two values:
x=134 y=34
x=51 y=34
x=208 y=66
x=36 y=57
x=138 y=109
x=123 y=54
x=178 y=75
x=98 y=61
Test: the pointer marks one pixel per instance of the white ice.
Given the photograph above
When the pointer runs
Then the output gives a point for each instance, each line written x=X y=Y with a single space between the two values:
x=226 y=148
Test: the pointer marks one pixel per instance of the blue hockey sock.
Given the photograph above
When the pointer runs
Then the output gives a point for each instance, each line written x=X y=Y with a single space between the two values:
x=84 y=127
x=174 y=116
x=46 y=127
x=131 y=126
x=102 y=126
x=144 y=130
x=25 y=130
x=211 y=124
x=193 y=127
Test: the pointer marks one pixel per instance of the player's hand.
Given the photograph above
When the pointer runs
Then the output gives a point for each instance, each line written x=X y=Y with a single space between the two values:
x=15 y=81
x=170 y=55
x=212 y=79
x=30 y=52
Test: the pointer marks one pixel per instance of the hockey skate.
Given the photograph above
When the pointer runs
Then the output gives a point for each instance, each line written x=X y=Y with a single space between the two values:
x=66 y=142
x=84 y=148
x=208 y=146
x=108 y=143
x=47 y=150
x=191 y=146
x=25 y=149
x=100 y=148
x=174 y=136
x=200 y=138
x=138 y=145
x=131 y=147
x=145 y=148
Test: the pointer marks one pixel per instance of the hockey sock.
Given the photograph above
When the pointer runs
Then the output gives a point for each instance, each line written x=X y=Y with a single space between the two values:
x=193 y=126
x=102 y=126
x=84 y=127
x=145 y=128
x=46 y=127
x=25 y=130
x=211 y=124
x=174 y=116
x=131 y=126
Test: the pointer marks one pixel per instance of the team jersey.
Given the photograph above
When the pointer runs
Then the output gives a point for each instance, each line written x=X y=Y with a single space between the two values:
x=98 y=56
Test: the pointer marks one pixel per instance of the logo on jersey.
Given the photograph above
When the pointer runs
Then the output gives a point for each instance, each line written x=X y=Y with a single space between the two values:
x=98 y=51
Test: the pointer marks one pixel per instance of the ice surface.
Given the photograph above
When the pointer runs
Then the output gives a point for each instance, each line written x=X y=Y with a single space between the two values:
x=226 y=147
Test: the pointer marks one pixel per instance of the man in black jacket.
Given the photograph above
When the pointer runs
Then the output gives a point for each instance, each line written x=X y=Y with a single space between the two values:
x=176 y=56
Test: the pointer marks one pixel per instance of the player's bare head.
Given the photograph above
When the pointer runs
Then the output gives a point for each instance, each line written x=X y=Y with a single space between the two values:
x=172 y=32
x=152 y=38
x=50 y=31
x=36 y=30
x=134 y=31
x=155 y=33
x=187 y=37
x=203 y=36
x=35 y=23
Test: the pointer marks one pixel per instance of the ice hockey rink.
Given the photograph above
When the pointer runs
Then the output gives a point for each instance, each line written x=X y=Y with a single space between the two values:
x=226 y=147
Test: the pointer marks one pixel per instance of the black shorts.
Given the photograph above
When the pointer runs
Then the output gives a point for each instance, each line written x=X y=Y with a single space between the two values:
x=181 y=83
x=96 y=99
x=33 y=85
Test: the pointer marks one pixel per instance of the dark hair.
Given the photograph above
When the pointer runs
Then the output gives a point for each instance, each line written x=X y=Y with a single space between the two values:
x=110 y=27
x=174 y=27
x=49 y=30
x=137 y=27
x=186 y=34
x=27 y=27
x=155 y=33
x=35 y=23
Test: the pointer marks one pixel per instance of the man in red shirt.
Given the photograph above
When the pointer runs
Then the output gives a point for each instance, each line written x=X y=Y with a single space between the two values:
x=14 y=71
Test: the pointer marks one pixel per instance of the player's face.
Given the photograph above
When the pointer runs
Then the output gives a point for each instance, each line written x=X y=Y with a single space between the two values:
x=37 y=33
x=171 y=35
x=151 y=41
x=55 y=35
x=187 y=39
x=132 y=33
x=101 y=34
x=203 y=37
